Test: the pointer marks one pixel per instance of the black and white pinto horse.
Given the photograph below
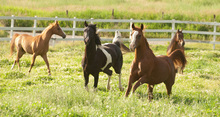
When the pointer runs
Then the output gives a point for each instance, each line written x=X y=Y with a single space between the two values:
x=99 y=58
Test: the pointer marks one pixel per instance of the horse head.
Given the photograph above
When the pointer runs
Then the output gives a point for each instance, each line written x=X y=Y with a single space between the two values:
x=90 y=35
x=179 y=38
x=136 y=36
x=57 y=30
x=117 y=37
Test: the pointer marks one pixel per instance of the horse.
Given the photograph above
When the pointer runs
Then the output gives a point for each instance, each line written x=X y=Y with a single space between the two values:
x=151 y=69
x=37 y=45
x=99 y=58
x=118 y=38
x=176 y=43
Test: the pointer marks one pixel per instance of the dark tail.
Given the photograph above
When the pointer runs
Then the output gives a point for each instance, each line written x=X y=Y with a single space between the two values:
x=117 y=43
x=13 y=43
x=178 y=59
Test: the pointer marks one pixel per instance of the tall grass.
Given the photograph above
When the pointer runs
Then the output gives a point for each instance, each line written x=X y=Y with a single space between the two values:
x=195 y=92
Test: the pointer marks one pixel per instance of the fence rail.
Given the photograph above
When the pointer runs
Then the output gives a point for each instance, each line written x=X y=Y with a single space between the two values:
x=74 y=28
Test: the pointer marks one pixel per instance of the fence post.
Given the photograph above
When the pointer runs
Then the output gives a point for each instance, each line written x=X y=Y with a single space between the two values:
x=214 y=35
x=91 y=21
x=54 y=35
x=130 y=28
x=12 y=26
x=74 y=26
x=35 y=25
x=173 y=28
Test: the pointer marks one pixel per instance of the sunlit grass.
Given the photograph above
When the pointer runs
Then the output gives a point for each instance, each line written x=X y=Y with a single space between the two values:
x=195 y=92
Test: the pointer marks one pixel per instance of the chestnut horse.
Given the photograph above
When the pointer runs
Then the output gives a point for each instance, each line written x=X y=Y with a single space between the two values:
x=37 y=45
x=151 y=69
x=176 y=43
x=99 y=58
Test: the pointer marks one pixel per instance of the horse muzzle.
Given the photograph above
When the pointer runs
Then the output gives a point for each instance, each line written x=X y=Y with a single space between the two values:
x=64 y=36
x=132 y=47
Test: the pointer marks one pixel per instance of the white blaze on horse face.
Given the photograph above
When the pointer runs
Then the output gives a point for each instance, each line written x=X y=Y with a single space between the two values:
x=134 y=37
x=108 y=56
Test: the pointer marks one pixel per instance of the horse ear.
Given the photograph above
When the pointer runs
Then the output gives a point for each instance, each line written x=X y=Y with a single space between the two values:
x=85 y=23
x=178 y=30
x=56 y=22
x=181 y=30
x=133 y=27
x=142 y=26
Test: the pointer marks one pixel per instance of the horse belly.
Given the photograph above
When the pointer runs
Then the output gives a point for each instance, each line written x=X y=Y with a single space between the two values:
x=27 y=46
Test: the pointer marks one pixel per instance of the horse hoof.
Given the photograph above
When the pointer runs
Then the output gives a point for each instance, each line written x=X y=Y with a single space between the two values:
x=95 y=90
x=108 y=88
x=87 y=89
x=49 y=74
x=121 y=89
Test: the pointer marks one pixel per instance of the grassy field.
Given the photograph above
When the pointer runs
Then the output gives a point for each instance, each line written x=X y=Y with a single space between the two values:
x=195 y=93
x=188 y=10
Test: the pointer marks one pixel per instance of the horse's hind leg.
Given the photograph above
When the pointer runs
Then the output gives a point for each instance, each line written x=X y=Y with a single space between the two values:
x=169 y=88
x=32 y=63
x=20 y=53
x=120 y=86
x=150 y=92
x=47 y=63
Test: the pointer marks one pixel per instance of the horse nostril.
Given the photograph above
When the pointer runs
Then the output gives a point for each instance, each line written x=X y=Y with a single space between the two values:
x=64 y=36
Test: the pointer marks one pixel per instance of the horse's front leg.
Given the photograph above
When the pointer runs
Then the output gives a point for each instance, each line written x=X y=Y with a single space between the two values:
x=132 y=79
x=32 y=63
x=96 y=79
x=86 y=78
x=44 y=56
x=141 y=81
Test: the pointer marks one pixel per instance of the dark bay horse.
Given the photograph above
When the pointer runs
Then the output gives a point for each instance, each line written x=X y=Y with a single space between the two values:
x=176 y=43
x=99 y=58
x=151 y=69
x=37 y=45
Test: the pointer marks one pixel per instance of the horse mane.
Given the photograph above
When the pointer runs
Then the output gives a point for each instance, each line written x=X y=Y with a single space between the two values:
x=172 y=43
x=47 y=28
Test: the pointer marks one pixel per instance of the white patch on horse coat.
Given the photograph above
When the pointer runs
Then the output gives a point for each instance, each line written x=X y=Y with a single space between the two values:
x=134 y=36
x=108 y=56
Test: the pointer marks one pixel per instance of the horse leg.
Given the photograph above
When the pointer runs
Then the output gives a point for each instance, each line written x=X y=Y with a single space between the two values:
x=86 y=77
x=96 y=79
x=47 y=63
x=120 y=86
x=150 y=92
x=108 y=85
x=141 y=81
x=169 y=88
x=33 y=60
x=109 y=73
x=20 y=53
x=132 y=79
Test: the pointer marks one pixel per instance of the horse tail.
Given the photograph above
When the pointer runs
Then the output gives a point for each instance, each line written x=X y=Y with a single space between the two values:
x=178 y=59
x=117 y=43
x=13 y=43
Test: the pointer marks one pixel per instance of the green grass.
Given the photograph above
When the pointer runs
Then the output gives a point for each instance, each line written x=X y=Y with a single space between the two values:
x=186 y=10
x=195 y=93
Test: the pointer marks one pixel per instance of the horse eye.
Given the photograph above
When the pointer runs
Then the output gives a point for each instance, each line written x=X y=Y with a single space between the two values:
x=58 y=28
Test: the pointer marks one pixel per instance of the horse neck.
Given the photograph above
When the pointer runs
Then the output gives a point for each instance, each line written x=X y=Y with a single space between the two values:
x=143 y=50
x=90 y=52
x=47 y=33
x=173 y=43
